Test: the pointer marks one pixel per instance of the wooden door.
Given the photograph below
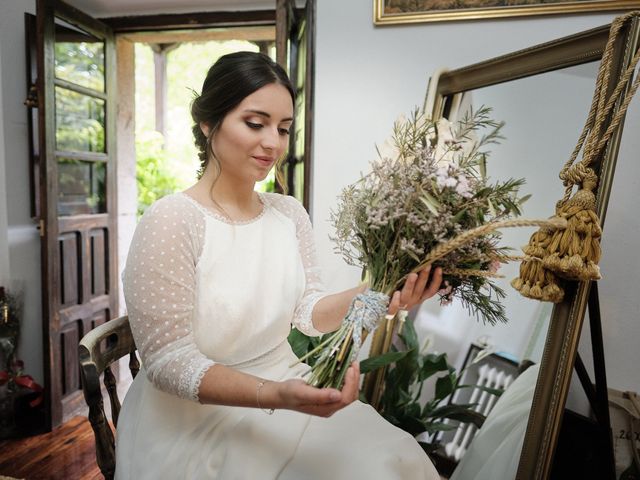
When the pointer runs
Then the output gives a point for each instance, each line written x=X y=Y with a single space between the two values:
x=76 y=124
x=295 y=50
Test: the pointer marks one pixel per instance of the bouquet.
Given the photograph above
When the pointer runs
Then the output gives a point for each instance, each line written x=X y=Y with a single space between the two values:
x=427 y=200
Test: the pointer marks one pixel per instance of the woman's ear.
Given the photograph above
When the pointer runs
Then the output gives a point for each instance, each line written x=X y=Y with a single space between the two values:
x=206 y=129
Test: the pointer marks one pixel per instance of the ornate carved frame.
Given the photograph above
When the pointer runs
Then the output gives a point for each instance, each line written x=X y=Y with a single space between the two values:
x=482 y=13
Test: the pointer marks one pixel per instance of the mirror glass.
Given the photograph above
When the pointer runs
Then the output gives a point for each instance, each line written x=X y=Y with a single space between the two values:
x=544 y=116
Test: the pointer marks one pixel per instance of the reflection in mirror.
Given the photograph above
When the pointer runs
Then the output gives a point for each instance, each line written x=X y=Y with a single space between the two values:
x=544 y=116
x=81 y=187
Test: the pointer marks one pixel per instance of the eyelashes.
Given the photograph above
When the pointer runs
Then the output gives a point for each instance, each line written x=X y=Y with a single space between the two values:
x=258 y=126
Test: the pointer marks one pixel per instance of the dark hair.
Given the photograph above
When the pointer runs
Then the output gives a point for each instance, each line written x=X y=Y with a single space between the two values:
x=229 y=81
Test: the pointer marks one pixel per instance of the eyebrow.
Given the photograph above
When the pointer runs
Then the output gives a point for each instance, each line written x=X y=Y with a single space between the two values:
x=265 y=114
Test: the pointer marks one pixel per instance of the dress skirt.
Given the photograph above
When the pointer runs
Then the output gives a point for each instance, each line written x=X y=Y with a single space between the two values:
x=163 y=436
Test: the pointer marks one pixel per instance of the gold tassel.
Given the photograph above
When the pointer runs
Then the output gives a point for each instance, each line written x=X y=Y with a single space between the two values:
x=537 y=282
x=574 y=253
x=534 y=280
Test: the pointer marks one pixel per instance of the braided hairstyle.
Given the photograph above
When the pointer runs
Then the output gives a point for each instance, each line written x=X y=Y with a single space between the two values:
x=229 y=81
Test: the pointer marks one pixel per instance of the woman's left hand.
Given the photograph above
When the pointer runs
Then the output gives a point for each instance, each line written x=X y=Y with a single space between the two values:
x=417 y=288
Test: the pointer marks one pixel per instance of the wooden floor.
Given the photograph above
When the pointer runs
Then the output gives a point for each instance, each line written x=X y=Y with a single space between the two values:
x=66 y=453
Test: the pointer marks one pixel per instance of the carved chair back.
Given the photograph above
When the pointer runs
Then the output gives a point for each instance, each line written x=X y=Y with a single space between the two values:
x=98 y=350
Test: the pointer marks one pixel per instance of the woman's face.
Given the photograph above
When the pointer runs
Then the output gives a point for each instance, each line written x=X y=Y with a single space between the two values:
x=254 y=134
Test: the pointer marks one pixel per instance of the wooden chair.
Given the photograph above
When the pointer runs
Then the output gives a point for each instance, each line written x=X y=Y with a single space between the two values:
x=98 y=350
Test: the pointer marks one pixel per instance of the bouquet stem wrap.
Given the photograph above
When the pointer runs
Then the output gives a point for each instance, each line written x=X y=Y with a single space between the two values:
x=365 y=313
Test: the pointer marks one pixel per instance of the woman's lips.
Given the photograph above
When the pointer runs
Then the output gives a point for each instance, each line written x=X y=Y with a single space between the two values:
x=265 y=161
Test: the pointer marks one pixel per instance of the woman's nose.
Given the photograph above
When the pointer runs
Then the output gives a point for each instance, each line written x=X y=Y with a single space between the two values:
x=270 y=139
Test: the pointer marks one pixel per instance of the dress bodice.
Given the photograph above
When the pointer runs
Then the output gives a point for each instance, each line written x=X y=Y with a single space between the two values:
x=201 y=290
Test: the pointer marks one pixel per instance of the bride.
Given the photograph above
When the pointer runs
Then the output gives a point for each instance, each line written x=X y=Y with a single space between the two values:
x=215 y=277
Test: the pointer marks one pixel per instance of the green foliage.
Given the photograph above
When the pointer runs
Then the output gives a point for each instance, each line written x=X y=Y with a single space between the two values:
x=302 y=344
x=400 y=402
x=153 y=177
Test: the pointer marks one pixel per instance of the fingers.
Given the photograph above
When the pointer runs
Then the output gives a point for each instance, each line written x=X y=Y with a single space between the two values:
x=351 y=384
x=394 y=304
x=348 y=395
x=434 y=285
x=319 y=396
x=416 y=289
x=421 y=282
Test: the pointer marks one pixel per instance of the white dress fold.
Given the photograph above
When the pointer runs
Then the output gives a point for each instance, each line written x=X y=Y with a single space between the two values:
x=201 y=290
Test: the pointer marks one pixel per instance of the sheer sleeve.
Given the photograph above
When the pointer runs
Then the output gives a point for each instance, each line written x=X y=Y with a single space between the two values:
x=314 y=288
x=159 y=288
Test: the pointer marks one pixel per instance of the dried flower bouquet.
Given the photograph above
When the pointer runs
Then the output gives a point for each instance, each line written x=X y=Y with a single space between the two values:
x=427 y=200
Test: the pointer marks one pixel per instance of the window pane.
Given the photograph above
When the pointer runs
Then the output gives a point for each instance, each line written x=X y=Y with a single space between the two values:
x=81 y=187
x=79 y=122
x=79 y=57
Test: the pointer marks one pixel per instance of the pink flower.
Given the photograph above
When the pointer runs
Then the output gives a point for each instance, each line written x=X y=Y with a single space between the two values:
x=494 y=266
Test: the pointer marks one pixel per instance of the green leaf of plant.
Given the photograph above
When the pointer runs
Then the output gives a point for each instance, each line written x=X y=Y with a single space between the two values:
x=468 y=416
x=458 y=216
x=445 y=410
x=409 y=336
x=430 y=202
x=493 y=391
x=413 y=425
x=492 y=209
x=438 y=427
x=429 y=447
x=373 y=363
x=444 y=386
x=482 y=164
x=299 y=342
x=413 y=410
x=433 y=364
x=521 y=200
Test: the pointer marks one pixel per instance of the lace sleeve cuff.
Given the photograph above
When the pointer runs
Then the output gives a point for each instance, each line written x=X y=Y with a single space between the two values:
x=303 y=318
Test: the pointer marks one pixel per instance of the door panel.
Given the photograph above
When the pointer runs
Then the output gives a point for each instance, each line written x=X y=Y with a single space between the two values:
x=76 y=103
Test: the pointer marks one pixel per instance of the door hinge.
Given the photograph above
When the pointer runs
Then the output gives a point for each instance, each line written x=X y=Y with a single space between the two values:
x=40 y=227
x=32 y=97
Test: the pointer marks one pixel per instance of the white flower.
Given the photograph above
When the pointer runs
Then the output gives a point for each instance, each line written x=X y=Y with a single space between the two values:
x=463 y=188
x=389 y=150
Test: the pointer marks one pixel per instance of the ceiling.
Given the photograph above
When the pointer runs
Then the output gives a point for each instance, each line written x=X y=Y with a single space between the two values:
x=117 y=8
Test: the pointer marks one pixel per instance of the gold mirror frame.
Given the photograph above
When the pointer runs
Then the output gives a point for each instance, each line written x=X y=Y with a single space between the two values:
x=567 y=317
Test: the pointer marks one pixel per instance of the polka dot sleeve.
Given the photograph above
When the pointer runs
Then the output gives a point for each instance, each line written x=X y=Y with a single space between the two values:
x=159 y=288
x=314 y=288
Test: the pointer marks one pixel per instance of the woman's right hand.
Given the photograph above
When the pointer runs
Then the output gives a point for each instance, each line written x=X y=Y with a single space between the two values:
x=296 y=394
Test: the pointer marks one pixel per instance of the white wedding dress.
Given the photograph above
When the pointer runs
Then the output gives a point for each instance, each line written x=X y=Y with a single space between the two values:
x=200 y=290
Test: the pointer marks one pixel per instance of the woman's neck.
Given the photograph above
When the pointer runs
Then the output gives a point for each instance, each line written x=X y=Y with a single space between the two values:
x=233 y=198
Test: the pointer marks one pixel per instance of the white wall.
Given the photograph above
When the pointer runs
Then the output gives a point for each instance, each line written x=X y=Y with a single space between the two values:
x=20 y=233
x=4 y=241
x=366 y=76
